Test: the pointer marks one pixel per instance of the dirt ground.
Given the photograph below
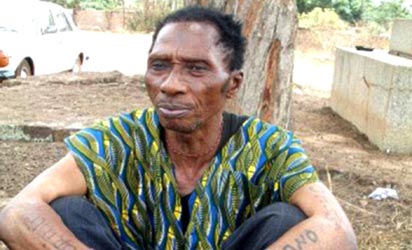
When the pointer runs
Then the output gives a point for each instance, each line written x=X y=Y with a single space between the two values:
x=346 y=161
x=348 y=164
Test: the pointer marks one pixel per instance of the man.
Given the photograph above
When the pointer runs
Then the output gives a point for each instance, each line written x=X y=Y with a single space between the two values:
x=184 y=174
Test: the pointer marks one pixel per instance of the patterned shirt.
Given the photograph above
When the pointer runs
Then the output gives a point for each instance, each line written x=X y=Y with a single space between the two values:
x=130 y=178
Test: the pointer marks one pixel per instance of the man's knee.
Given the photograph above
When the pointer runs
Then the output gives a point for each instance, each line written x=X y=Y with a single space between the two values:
x=283 y=213
x=71 y=207
x=265 y=227
x=63 y=202
x=77 y=211
x=86 y=222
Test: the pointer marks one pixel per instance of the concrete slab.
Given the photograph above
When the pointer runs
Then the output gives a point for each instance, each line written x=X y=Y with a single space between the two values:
x=398 y=137
x=377 y=73
x=373 y=91
x=380 y=55
x=401 y=38
x=35 y=132
x=376 y=114
x=402 y=78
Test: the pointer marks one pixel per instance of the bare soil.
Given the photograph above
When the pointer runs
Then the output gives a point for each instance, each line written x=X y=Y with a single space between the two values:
x=347 y=162
x=352 y=168
x=69 y=100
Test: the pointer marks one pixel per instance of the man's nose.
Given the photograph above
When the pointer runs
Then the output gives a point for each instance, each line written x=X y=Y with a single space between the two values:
x=173 y=84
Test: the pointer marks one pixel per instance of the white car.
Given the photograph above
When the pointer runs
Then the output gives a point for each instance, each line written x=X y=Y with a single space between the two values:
x=37 y=38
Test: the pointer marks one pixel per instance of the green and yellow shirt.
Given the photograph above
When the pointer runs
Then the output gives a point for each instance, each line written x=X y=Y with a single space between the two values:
x=130 y=179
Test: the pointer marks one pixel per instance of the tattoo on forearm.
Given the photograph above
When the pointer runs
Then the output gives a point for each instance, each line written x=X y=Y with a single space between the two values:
x=330 y=214
x=305 y=238
x=40 y=226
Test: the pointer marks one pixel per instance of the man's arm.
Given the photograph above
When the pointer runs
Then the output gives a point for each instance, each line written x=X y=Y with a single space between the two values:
x=327 y=226
x=28 y=222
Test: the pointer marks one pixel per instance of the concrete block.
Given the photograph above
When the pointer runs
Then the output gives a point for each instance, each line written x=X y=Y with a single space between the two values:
x=34 y=132
x=338 y=89
x=347 y=97
x=373 y=90
x=398 y=137
x=401 y=37
x=376 y=115
x=357 y=92
x=386 y=75
x=378 y=73
x=402 y=78
x=350 y=102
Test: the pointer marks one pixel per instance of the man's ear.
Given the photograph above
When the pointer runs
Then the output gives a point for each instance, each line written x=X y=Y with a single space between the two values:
x=235 y=82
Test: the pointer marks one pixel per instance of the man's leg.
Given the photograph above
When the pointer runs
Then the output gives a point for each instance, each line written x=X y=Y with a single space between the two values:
x=86 y=222
x=265 y=227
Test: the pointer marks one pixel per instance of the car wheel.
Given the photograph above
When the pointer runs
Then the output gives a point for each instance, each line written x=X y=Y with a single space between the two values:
x=24 y=70
x=77 y=67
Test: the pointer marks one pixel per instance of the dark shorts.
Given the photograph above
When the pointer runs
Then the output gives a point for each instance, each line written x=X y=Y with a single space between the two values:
x=256 y=233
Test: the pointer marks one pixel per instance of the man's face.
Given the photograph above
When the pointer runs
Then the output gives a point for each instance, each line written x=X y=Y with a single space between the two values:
x=187 y=76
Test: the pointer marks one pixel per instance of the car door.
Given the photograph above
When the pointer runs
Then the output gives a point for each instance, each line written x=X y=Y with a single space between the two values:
x=48 y=43
x=67 y=53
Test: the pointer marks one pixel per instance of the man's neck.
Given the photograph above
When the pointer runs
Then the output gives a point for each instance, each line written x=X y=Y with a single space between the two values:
x=191 y=153
x=201 y=143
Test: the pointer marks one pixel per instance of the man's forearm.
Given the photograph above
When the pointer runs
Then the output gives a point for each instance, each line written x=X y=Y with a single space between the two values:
x=317 y=233
x=327 y=226
x=35 y=225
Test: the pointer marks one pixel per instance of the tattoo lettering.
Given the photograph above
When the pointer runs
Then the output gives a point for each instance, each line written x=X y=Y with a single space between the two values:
x=330 y=214
x=40 y=226
x=312 y=236
x=307 y=237
x=34 y=223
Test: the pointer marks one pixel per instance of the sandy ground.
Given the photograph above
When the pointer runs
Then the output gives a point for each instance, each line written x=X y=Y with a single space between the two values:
x=348 y=164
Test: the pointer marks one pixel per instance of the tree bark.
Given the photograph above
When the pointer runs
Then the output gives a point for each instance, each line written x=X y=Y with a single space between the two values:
x=270 y=27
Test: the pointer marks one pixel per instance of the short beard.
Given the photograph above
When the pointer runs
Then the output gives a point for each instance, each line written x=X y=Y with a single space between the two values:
x=175 y=126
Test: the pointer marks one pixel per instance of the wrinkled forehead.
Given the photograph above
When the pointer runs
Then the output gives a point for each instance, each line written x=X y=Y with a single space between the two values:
x=201 y=33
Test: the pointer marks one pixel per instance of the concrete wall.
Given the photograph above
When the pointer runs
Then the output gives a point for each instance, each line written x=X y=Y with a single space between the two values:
x=401 y=38
x=98 y=20
x=373 y=90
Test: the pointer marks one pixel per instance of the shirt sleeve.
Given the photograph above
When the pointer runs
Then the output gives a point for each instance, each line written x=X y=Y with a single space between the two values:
x=91 y=150
x=295 y=168
x=102 y=153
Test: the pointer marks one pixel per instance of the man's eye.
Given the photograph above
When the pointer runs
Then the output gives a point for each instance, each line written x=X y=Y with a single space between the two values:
x=159 y=65
x=196 y=68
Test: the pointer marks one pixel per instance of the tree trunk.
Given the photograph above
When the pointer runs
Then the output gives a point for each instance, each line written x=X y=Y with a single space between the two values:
x=270 y=27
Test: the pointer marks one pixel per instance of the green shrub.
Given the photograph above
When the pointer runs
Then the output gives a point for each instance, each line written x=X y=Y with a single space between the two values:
x=375 y=28
x=145 y=20
x=147 y=14
x=318 y=18
x=385 y=12
x=349 y=10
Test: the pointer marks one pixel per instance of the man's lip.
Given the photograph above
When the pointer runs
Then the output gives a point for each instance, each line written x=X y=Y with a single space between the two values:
x=173 y=110
x=173 y=106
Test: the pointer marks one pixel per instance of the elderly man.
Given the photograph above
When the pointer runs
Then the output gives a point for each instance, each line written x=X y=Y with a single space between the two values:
x=184 y=174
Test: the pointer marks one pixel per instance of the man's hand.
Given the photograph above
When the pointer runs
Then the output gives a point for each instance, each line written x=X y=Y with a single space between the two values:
x=327 y=226
x=28 y=222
